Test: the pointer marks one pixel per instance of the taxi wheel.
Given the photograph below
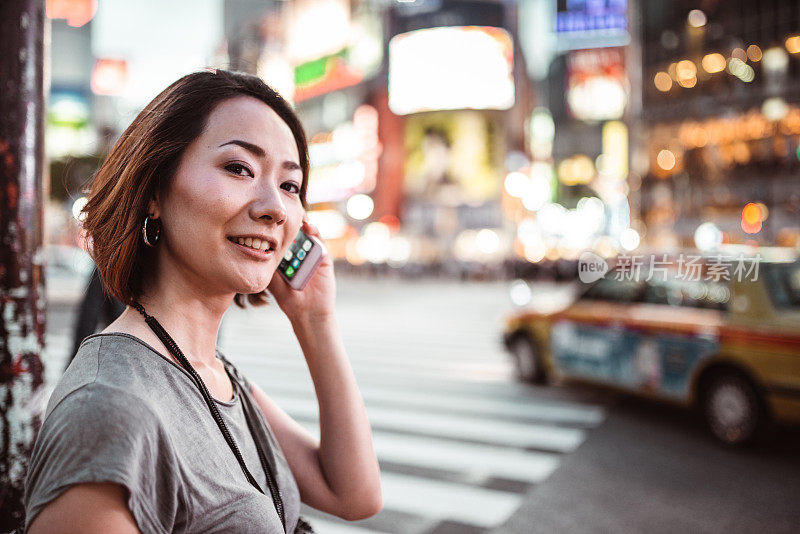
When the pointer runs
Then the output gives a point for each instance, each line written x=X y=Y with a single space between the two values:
x=732 y=408
x=528 y=360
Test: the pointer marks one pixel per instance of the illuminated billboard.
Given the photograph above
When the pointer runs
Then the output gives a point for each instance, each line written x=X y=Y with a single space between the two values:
x=591 y=16
x=457 y=67
x=453 y=157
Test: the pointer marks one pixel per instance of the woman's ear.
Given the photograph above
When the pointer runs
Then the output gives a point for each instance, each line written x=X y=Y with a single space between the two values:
x=152 y=208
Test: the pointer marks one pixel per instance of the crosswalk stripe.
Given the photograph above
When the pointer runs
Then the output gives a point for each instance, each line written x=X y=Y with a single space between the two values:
x=480 y=461
x=467 y=386
x=324 y=526
x=502 y=433
x=446 y=500
x=519 y=409
x=477 y=461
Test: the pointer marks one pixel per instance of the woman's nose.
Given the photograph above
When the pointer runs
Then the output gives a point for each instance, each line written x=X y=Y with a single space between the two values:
x=269 y=206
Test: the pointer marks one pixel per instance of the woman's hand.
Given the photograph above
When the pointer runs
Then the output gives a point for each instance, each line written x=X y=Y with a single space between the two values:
x=317 y=300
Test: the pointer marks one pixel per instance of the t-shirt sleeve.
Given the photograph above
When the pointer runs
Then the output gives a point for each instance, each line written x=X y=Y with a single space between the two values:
x=101 y=434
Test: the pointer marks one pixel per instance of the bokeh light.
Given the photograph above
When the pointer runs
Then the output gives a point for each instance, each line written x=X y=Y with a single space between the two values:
x=520 y=292
x=663 y=81
x=696 y=18
x=713 y=63
x=516 y=183
x=629 y=239
x=754 y=53
x=793 y=44
x=775 y=59
x=708 y=236
x=666 y=159
x=77 y=208
x=739 y=54
x=487 y=241
x=360 y=207
x=751 y=213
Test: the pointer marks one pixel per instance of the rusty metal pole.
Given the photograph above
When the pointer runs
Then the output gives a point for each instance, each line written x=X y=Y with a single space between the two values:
x=22 y=298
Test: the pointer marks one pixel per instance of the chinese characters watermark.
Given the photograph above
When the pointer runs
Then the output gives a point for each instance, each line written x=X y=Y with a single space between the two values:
x=684 y=267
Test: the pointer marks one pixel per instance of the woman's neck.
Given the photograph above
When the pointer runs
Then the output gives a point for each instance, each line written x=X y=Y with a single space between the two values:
x=192 y=318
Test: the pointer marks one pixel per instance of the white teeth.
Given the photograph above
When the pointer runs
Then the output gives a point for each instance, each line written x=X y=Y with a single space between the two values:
x=253 y=242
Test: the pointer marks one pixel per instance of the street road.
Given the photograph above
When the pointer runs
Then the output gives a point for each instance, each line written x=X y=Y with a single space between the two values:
x=463 y=448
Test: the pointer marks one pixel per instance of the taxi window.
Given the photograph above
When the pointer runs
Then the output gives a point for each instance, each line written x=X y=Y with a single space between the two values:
x=610 y=289
x=687 y=293
x=783 y=283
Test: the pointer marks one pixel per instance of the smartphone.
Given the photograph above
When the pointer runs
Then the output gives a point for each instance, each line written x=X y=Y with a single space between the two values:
x=301 y=260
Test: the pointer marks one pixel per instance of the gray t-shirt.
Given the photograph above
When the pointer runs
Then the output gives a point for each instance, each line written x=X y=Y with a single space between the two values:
x=125 y=413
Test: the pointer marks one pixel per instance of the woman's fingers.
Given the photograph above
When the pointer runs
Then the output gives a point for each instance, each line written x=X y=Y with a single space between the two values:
x=310 y=229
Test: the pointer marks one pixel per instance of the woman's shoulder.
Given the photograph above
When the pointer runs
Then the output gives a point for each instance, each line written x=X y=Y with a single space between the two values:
x=118 y=364
x=103 y=407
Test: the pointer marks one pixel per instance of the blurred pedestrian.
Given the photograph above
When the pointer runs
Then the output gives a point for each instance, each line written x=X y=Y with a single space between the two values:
x=151 y=428
x=97 y=308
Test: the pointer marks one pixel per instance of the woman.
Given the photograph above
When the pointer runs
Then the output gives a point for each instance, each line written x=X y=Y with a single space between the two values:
x=130 y=442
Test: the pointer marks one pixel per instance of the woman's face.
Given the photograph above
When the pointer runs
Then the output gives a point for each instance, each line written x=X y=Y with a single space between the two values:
x=241 y=178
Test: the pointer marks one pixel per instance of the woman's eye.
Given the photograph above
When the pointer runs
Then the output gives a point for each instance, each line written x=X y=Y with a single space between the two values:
x=237 y=168
x=293 y=185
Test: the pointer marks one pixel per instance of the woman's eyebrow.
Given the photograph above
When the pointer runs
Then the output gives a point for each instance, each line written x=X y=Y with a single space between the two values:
x=250 y=147
x=291 y=166
x=259 y=152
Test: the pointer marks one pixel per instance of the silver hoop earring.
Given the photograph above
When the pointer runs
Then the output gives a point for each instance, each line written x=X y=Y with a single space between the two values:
x=144 y=233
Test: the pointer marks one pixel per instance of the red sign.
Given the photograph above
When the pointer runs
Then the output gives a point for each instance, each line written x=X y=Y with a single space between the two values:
x=77 y=12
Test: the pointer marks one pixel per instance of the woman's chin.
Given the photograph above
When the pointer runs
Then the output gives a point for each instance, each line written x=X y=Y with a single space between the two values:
x=253 y=287
x=251 y=290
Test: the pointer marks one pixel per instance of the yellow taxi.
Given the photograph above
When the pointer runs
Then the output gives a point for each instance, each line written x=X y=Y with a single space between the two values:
x=726 y=343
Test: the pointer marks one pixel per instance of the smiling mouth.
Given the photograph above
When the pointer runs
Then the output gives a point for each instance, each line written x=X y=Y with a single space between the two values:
x=251 y=243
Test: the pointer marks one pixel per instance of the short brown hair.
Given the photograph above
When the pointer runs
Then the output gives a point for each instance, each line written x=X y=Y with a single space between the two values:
x=144 y=160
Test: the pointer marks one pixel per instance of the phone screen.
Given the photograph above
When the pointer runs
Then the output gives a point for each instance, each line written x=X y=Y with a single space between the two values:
x=296 y=254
